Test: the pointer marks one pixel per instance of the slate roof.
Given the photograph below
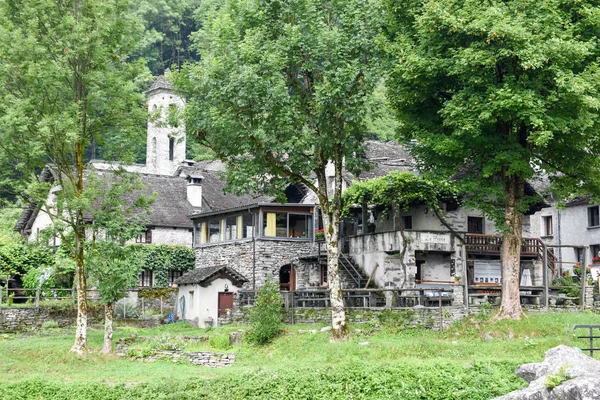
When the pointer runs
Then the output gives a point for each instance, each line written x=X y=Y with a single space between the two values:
x=385 y=157
x=203 y=276
x=171 y=207
x=214 y=197
x=160 y=83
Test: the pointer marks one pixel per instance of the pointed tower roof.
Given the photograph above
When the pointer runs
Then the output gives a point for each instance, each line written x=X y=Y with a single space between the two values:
x=161 y=83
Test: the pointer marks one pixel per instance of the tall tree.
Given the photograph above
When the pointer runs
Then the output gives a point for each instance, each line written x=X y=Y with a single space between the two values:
x=65 y=82
x=496 y=92
x=279 y=95
x=120 y=217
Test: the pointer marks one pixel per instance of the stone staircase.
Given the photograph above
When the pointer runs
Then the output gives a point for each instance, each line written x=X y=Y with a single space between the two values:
x=352 y=276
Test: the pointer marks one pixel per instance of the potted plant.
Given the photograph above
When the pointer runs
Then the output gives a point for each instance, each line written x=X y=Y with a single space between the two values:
x=320 y=234
x=457 y=279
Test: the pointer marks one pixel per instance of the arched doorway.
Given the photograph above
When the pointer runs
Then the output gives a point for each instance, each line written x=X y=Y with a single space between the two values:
x=287 y=278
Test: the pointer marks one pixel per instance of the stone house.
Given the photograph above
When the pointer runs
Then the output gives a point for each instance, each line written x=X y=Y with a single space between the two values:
x=571 y=232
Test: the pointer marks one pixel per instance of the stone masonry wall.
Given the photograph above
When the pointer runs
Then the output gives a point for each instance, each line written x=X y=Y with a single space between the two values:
x=270 y=256
x=418 y=317
x=18 y=319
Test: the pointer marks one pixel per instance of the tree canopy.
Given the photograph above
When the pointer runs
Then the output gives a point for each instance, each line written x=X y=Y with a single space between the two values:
x=279 y=94
x=66 y=83
x=496 y=92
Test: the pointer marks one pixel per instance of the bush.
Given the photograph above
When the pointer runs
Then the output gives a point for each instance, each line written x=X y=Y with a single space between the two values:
x=126 y=308
x=265 y=316
x=220 y=342
x=50 y=324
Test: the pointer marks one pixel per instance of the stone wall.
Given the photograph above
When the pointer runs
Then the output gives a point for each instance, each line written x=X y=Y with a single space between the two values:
x=172 y=236
x=18 y=319
x=270 y=256
x=418 y=317
x=377 y=254
x=205 y=358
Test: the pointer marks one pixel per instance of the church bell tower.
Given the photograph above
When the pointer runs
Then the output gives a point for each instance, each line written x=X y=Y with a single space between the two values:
x=166 y=131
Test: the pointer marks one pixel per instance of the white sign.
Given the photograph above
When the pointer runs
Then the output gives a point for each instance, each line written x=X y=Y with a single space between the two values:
x=488 y=272
x=435 y=238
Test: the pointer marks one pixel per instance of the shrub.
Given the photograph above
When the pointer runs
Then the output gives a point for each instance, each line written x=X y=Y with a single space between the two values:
x=126 y=308
x=50 y=324
x=265 y=316
x=220 y=342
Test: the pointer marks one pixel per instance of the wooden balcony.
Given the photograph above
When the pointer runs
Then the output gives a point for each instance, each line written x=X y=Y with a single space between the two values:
x=491 y=244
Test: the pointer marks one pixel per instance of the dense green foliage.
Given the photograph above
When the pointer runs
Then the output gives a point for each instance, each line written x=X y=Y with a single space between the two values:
x=166 y=41
x=162 y=258
x=299 y=72
x=496 y=93
x=499 y=89
x=397 y=187
x=265 y=316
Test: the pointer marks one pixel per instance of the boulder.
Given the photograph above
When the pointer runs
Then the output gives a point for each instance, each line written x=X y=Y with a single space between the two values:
x=565 y=373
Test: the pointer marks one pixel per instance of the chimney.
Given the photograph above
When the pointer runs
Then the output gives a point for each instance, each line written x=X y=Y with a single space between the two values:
x=194 y=190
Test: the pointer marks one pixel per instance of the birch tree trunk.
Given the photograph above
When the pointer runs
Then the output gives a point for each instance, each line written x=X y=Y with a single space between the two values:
x=80 y=346
x=331 y=212
x=109 y=309
x=511 y=250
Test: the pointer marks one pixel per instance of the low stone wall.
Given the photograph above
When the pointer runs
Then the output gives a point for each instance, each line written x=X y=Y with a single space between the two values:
x=416 y=317
x=18 y=319
x=204 y=358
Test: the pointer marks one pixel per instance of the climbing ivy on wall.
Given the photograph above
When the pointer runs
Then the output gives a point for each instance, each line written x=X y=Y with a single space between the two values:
x=162 y=258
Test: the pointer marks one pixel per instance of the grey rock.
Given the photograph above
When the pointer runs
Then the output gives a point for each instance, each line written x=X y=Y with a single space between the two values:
x=487 y=337
x=582 y=377
x=326 y=329
x=364 y=343
x=235 y=338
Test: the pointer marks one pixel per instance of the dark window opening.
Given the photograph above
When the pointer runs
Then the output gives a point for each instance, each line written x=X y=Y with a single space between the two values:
x=548 y=231
x=594 y=216
x=174 y=274
x=145 y=237
x=594 y=249
x=146 y=278
x=323 y=274
x=171 y=148
x=475 y=225
x=407 y=222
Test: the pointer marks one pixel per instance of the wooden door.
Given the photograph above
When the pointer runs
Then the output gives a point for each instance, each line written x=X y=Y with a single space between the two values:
x=225 y=302
x=287 y=278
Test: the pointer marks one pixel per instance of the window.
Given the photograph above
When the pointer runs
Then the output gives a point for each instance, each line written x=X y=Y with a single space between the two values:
x=547 y=225
x=475 y=225
x=146 y=278
x=145 y=237
x=579 y=254
x=593 y=216
x=231 y=228
x=323 y=275
x=174 y=274
x=214 y=231
x=594 y=249
x=407 y=222
x=171 y=148
x=288 y=225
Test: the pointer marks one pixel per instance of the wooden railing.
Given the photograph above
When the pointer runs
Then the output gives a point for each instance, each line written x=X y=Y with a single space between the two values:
x=492 y=244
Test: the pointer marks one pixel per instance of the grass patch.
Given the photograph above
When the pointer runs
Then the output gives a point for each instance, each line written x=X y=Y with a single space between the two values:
x=410 y=364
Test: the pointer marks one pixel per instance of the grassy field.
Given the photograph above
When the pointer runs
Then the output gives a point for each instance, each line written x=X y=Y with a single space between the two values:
x=377 y=362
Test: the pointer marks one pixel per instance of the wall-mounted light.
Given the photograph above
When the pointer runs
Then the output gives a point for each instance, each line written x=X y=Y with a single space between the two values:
x=226 y=288
x=426 y=210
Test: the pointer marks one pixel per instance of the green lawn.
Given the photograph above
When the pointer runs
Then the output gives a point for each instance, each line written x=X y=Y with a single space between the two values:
x=413 y=364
